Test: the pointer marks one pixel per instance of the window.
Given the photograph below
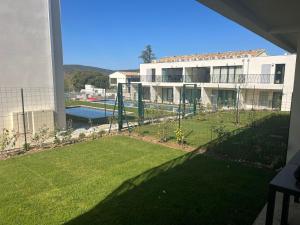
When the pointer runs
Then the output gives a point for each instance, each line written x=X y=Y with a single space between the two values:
x=224 y=98
x=276 y=101
x=172 y=74
x=197 y=75
x=228 y=74
x=190 y=93
x=113 y=81
x=265 y=73
x=167 y=94
x=279 y=74
x=146 y=93
x=264 y=99
x=153 y=75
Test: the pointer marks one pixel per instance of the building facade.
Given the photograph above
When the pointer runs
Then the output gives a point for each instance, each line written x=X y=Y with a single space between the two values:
x=31 y=61
x=123 y=77
x=251 y=79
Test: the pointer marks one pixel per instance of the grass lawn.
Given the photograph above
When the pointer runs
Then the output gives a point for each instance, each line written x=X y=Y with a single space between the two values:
x=264 y=142
x=119 y=180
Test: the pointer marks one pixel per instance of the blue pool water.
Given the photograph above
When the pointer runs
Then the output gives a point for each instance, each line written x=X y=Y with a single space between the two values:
x=88 y=113
x=112 y=102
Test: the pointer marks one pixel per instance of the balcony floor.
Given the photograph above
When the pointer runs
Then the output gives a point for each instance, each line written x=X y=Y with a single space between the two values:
x=294 y=215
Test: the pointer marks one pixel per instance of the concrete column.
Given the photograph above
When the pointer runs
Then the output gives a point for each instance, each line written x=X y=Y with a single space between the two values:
x=57 y=63
x=176 y=95
x=205 y=96
x=294 y=136
x=183 y=74
x=153 y=94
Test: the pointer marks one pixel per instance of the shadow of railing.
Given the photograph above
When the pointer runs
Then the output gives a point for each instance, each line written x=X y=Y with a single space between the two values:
x=192 y=189
x=263 y=142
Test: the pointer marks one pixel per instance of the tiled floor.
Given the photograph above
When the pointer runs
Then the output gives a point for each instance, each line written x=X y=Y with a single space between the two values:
x=294 y=215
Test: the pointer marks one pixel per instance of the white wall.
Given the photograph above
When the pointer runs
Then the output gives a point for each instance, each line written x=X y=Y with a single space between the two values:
x=252 y=68
x=31 y=56
x=121 y=78
x=294 y=135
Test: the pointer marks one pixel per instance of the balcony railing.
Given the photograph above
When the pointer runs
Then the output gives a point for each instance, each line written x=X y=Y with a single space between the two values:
x=220 y=79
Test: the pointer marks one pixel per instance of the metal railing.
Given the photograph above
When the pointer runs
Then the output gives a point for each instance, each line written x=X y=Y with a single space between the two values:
x=213 y=78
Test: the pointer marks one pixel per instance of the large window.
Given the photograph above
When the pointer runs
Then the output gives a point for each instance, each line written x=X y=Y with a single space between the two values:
x=279 y=73
x=167 y=94
x=264 y=99
x=172 y=74
x=190 y=93
x=197 y=75
x=224 y=98
x=228 y=74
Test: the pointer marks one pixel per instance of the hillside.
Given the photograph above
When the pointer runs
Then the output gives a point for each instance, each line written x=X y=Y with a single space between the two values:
x=71 y=68
x=76 y=76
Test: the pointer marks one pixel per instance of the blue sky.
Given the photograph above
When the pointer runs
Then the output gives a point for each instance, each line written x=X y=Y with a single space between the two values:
x=112 y=33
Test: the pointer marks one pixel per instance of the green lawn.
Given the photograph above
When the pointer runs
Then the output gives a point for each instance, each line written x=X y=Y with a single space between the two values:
x=263 y=142
x=119 y=180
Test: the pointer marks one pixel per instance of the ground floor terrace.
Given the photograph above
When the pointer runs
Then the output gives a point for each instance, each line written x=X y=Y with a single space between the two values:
x=220 y=96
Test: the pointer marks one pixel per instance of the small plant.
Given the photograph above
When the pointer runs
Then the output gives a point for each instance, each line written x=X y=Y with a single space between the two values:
x=101 y=133
x=8 y=139
x=67 y=136
x=81 y=136
x=220 y=131
x=56 y=139
x=26 y=146
x=40 y=137
x=164 y=130
x=179 y=136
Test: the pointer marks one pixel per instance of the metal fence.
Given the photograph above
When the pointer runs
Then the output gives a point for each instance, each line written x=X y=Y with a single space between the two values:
x=24 y=112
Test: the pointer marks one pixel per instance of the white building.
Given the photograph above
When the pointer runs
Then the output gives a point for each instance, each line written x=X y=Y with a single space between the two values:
x=91 y=90
x=254 y=78
x=124 y=77
x=31 y=58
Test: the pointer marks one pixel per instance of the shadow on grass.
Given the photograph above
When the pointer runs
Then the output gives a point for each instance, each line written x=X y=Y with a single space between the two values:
x=264 y=142
x=192 y=189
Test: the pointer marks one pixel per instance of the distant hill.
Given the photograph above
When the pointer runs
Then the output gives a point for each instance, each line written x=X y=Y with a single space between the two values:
x=72 y=68
x=76 y=76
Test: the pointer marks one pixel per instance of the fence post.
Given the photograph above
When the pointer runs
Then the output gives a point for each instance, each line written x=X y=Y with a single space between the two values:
x=120 y=106
x=24 y=122
x=195 y=99
x=140 y=104
x=183 y=100
x=237 y=119
x=105 y=100
x=179 y=110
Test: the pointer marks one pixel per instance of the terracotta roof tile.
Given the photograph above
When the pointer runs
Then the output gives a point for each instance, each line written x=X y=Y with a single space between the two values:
x=212 y=56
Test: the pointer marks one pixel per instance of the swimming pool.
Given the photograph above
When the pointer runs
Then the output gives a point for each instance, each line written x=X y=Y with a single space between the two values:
x=88 y=113
x=113 y=102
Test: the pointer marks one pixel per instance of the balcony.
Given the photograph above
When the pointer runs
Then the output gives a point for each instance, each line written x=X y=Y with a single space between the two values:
x=215 y=79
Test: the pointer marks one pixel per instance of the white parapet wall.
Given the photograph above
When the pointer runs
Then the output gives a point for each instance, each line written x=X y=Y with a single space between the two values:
x=31 y=58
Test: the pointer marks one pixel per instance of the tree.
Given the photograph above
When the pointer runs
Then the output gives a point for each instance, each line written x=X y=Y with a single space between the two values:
x=147 y=54
x=81 y=78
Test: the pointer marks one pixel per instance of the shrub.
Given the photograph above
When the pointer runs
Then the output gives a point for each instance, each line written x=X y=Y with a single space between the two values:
x=81 y=136
x=8 y=139
x=164 y=130
x=40 y=137
x=179 y=136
